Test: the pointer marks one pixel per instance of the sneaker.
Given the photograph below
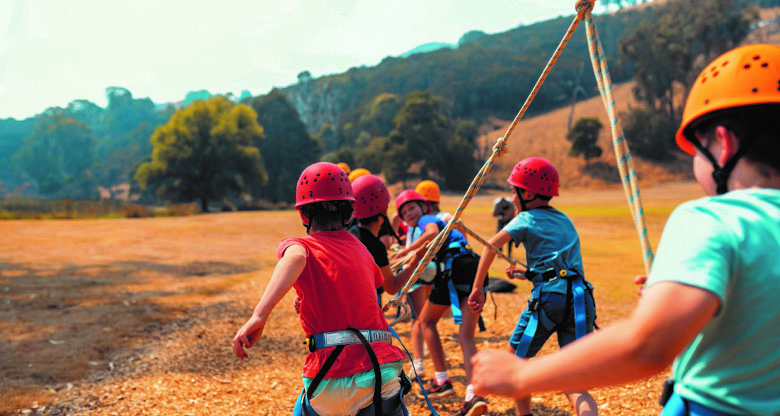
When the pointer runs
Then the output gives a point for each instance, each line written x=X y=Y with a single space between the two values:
x=475 y=407
x=438 y=391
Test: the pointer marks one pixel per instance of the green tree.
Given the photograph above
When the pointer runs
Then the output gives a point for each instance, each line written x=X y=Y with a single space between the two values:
x=583 y=137
x=668 y=49
x=287 y=149
x=58 y=153
x=421 y=130
x=206 y=152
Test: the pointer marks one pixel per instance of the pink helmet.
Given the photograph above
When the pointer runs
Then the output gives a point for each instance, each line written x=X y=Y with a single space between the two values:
x=535 y=174
x=323 y=181
x=371 y=196
x=408 y=195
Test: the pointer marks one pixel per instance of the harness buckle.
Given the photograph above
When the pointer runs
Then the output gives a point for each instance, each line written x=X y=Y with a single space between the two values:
x=533 y=305
x=309 y=343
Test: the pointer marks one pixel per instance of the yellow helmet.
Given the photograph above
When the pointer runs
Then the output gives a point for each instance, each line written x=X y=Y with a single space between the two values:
x=429 y=190
x=358 y=173
x=344 y=167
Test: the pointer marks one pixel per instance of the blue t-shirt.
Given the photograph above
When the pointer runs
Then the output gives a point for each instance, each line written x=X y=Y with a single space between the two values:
x=455 y=235
x=551 y=243
x=729 y=245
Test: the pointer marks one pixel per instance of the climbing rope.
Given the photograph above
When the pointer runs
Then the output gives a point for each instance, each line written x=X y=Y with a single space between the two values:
x=499 y=149
x=466 y=230
x=625 y=164
x=622 y=154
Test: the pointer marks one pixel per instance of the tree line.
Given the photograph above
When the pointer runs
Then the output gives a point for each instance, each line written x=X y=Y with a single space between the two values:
x=408 y=118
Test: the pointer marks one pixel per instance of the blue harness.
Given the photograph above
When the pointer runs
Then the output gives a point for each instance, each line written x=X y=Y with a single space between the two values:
x=678 y=406
x=392 y=406
x=577 y=289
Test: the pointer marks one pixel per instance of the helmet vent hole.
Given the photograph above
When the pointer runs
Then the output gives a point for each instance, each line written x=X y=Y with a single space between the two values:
x=716 y=74
x=747 y=66
x=765 y=65
x=756 y=57
x=707 y=101
x=703 y=80
x=724 y=63
x=755 y=90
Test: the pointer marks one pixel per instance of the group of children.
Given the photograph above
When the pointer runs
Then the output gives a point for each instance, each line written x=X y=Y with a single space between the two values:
x=708 y=300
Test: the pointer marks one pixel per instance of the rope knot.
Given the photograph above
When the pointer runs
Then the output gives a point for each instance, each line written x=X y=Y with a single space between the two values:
x=582 y=7
x=500 y=147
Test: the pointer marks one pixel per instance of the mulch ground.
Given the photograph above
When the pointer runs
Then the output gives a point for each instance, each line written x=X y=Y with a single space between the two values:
x=136 y=317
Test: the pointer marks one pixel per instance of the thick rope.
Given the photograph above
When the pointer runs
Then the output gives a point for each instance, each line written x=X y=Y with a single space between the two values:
x=499 y=149
x=622 y=153
x=466 y=230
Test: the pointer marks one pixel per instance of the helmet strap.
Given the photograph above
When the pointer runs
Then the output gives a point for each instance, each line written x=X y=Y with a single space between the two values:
x=523 y=202
x=720 y=174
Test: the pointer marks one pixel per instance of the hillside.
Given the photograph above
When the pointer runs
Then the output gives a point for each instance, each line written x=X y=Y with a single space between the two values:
x=545 y=136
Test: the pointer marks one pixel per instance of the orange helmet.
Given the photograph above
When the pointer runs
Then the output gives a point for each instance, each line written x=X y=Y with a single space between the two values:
x=344 y=167
x=747 y=75
x=429 y=190
x=358 y=173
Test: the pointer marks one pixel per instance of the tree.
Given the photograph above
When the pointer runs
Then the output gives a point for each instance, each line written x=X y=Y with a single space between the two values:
x=669 y=49
x=58 y=153
x=205 y=152
x=583 y=137
x=287 y=149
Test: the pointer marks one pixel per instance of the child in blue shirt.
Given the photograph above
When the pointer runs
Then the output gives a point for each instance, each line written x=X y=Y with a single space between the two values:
x=561 y=299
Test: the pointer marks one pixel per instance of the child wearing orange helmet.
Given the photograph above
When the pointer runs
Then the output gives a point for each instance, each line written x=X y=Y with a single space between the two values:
x=331 y=270
x=561 y=299
x=709 y=305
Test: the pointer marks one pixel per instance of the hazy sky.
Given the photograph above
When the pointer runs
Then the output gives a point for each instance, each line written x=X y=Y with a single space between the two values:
x=56 y=51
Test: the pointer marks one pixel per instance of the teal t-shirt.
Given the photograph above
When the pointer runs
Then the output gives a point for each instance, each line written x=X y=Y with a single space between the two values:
x=729 y=245
x=550 y=241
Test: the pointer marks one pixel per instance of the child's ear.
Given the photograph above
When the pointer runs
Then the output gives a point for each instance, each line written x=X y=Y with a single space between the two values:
x=304 y=220
x=728 y=144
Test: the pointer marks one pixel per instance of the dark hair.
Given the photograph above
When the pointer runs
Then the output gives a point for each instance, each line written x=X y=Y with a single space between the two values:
x=755 y=126
x=369 y=220
x=328 y=215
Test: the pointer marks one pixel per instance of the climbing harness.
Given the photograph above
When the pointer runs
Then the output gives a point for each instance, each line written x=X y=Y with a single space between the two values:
x=575 y=288
x=340 y=339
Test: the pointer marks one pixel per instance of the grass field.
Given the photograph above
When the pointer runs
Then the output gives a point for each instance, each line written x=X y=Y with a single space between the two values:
x=136 y=316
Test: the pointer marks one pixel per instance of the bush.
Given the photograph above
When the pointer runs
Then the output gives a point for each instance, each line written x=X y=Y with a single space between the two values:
x=649 y=134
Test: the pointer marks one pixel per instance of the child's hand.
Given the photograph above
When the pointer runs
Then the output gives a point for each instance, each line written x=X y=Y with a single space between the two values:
x=640 y=280
x=297 y=305
x=476 y=300
x=515 y=272
x=493 y=372
x=400 y=254
x=247 y=336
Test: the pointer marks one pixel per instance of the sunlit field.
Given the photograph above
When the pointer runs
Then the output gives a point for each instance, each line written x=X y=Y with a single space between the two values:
x=136 y=316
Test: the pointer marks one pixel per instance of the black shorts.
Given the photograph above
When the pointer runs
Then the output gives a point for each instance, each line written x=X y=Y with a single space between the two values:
x=464 y=268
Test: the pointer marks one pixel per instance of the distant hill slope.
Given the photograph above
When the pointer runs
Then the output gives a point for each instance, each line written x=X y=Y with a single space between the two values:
x=545 y=136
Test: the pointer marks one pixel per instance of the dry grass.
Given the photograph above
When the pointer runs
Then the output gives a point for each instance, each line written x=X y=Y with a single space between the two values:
x=102 y=317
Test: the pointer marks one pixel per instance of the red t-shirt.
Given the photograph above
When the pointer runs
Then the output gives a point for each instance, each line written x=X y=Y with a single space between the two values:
x=338 y=291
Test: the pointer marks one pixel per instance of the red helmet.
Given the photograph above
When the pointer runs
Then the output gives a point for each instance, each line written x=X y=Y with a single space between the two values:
x=371 y=196
x=407 y=196
x=323 y=181
x=535 y=174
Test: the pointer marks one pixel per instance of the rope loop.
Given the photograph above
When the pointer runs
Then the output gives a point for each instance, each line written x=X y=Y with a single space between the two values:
x=500 y=147
x=582 y=7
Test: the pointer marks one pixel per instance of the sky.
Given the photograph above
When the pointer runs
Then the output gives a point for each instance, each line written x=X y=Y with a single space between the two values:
x=55 y=51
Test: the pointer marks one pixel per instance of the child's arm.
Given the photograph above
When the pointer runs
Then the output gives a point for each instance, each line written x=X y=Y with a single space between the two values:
x=431 y=231
x=283 y=278
x=669 y=316
x=477 y=297
x=394 y=282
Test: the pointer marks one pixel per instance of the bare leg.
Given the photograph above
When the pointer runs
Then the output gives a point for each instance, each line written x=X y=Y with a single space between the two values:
x=583 y=403
x=466 y=337
x=416 y=300
x=523 y=405
x=430 y=317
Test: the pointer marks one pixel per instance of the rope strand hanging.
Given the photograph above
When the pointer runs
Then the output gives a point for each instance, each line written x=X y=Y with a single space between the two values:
x=625 y=165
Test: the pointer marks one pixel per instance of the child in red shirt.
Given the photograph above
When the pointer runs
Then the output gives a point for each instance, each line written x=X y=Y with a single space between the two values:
x=331 y=271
